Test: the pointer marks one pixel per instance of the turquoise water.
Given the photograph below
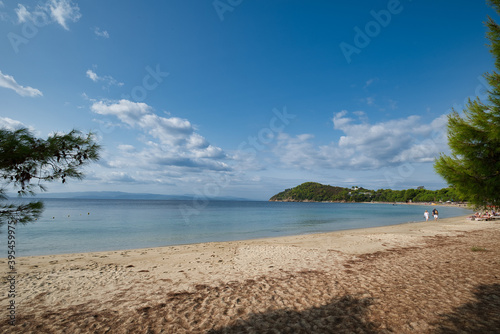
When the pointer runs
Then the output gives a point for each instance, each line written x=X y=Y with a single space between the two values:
x=85 y=225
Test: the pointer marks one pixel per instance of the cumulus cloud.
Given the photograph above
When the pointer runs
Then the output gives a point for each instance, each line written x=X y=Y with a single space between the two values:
x=299 y=151
x=11 y=124
x=52 y=11
x=172 y=140
x=92 y=75
x=8 y=81
x=126 y=111
x=367 y=146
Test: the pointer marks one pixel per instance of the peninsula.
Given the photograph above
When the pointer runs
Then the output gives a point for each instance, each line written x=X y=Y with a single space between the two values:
x=317 y=192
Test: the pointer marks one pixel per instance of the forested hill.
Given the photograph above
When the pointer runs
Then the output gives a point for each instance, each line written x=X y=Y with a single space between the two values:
x=316 y=192
x=311 y=191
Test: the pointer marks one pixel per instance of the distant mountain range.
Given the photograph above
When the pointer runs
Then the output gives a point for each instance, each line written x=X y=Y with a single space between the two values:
x=125 y=195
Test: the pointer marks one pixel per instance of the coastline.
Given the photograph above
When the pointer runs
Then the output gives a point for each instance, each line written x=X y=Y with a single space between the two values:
x=455 y=204
x=126 y=282
x=122 y=225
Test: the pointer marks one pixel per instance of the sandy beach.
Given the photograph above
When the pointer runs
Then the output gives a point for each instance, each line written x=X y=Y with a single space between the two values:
x=429 y=277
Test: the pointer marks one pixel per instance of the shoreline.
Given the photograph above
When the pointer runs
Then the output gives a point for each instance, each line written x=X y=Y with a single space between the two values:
x=361 y=230
x=410 y=230
x=456 y=204
x=348 y=243
x=300 y=233
x=71 y=291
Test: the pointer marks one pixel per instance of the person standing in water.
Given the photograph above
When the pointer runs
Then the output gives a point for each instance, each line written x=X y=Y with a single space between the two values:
x=426 y=215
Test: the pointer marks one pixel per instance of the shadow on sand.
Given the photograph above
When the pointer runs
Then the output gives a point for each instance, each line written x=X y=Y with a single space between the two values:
x=349 y=314
x=342 y=315
x=479 y=316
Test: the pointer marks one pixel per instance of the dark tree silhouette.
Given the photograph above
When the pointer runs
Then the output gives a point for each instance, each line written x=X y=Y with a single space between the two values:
x=27 y=162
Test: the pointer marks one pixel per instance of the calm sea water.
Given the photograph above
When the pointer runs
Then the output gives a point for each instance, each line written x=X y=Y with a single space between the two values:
x=85 y=225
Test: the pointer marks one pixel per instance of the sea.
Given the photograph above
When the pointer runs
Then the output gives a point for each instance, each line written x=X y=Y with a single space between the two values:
x=90 y=225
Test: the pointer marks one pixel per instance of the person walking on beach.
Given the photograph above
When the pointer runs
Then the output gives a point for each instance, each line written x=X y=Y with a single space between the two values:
x=426 y=215
x=435 y=214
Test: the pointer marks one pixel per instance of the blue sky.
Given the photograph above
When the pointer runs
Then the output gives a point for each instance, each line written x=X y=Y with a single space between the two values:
x=245 y=98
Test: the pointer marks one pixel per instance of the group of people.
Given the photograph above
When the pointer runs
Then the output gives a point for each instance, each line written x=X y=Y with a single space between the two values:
x=435 y=214
x=484 y=216
x=477 y=216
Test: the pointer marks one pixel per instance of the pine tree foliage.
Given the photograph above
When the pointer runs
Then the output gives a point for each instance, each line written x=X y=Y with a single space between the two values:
x=473 y=168
x=27 y=162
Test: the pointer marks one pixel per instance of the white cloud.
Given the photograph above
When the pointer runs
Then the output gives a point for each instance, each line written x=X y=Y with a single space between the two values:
x=385 y=143
x=367 y=146
x=101 y=33
x=121 y=177
x=8 y=81
x=10 y=124
x=22 y=14
x=92 y=75
x=340 y=120
x=107 y=79
x=62 y=11
x=126 y=111
x=172 y=140
x=299 y=151
x=52 y=11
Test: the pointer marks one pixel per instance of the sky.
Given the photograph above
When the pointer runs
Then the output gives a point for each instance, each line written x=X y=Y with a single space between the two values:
x=245 y=98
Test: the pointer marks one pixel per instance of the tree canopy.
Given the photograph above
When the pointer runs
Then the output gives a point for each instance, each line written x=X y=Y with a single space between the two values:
x=27 y=162
x=473 y=168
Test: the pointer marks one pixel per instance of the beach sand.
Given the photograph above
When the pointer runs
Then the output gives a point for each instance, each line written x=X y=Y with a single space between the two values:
x=429 y=277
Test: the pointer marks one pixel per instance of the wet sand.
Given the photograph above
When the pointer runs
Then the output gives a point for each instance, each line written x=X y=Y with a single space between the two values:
x=429 y=277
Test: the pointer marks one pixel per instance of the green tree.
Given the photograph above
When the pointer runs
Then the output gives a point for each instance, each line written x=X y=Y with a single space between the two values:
x=409 y=195
x=473 y=168
x=27 y=162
